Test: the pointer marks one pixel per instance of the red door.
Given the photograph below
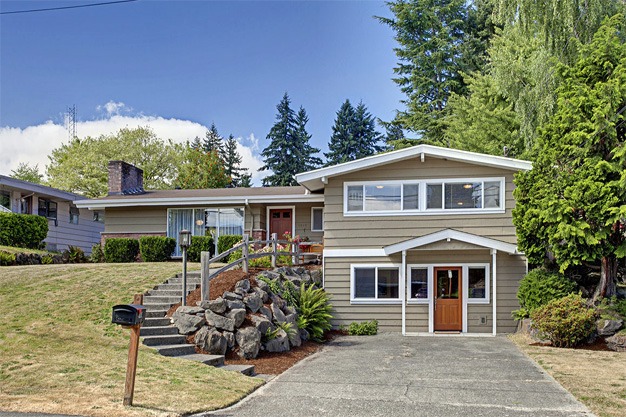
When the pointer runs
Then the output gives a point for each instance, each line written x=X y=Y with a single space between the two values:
x=448 y=299
x=281 y=221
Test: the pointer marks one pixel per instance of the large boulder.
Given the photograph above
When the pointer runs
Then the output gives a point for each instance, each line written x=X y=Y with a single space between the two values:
x=211 y=341
x=238 y=315
x=267 y=312
x=220 y=322
x=608 y=327
x=249 y=341
x=218 y=305
x=187 y=323
x=279 y=316
x=262 y=324
x=230 y=339
x=278 y=344
x=253 y=302
x=617 y=342
x=244 y=284
x=262 y=294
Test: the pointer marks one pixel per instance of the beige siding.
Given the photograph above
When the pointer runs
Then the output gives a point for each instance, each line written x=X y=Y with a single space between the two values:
x=510 y=270
x=136 y=220
x=377 y=231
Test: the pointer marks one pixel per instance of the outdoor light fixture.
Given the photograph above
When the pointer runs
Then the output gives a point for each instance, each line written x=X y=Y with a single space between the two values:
x=184 y=240
x=467 y=186
x=199 y=222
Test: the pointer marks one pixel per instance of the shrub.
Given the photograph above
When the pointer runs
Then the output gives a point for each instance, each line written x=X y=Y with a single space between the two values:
x=314 y=310
x=22 y=230
x=367 y=328
x=75 y=255
x=539 y=287
x=97 y=254
x=7 y=258
x=47 y=259
x=565 y=321
x=200 y=244
x=612 y=308
x=226 y=242
x=156 y=248
x=121 y=249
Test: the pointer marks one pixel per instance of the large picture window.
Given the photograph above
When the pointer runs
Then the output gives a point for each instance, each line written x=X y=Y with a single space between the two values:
x=375 y=284
x=474 y=195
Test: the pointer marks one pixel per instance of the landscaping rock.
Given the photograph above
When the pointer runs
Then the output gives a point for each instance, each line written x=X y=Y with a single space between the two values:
x=262 y=294
x=190 y=310
x=617 y=342
x=279 y=344
x=266 y=312
x=270 y=275
x=295 y=280
x=292 y=318
x=317 y=277
x=279 y=316
x=244 y=284
x=187 y=323
x=238 y=315
x=304 y=334
x=218 y=305
x=241 y=292
x=253 y=302
x=608 y=327
x=249 y=341
x=211 y=341
x=278 y=301
x=232 y=296
x=220 y=322
x=294 y=337
x=234 y=304
x=230 y=339
x=262 y=324
x=262 y=285
x=289 y=310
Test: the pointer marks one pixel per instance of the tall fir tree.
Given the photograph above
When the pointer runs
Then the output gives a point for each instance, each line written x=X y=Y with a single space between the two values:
x=213 y=141
x=289 y=148
x=354 y=135
x=232 y=163
x=306 y=152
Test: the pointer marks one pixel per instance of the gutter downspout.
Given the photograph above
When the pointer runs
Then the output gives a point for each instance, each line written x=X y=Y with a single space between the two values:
x=403 y=291
x=495 y=294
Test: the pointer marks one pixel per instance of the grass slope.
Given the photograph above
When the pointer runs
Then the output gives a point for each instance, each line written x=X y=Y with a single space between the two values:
x=60 y=354
x=12 y=249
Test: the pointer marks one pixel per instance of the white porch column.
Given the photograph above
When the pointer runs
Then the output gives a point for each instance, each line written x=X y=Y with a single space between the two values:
x=494 y=294
x=403 y=291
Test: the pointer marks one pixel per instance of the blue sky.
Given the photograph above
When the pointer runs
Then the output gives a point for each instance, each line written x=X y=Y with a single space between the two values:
x=195 y=61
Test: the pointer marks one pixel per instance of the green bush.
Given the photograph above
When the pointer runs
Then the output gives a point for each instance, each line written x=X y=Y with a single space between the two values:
x=75 y=255
x=200 y=244
x=156 y=248
x=22 y=230
x=367 y=328
x=97 y=254
x=47 y=259
x=314 y=309
x=226 y=242
x=121 y=249
x=7 y=258
x=565 y=321
x=539 y=287
x=612 y=308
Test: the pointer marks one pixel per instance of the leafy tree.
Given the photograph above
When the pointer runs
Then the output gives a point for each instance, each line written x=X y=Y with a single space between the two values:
x=572 y=204
x=354 y=135
x=289 y=150
x=232 y=163
x=25 y=172
x=213 y=141
x=201 y=170
x=81 y=164
x=437 y=42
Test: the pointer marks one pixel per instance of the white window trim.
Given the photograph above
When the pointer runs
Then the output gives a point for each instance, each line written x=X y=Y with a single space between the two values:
x=382 y=301
x=313 y=229
x=422 y=211
x=429 y=282
x=485 y=299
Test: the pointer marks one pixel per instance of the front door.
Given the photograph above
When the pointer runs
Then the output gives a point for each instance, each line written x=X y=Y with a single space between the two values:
x=448 y=299
x=281 y=221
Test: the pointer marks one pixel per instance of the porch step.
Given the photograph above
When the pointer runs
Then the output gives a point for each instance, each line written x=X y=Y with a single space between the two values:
x=190 y=280
x=190 y=274
x=156 y=322
x=158 y=330
x=176 y=350
x=244 y=369
x=157 y=306
x=212 y=360
x=174 y=292
x=155 y=312
x=161 y=299
x=165 y=339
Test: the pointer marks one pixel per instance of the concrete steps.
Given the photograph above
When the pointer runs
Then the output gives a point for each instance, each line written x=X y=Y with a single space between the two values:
x=158 y=332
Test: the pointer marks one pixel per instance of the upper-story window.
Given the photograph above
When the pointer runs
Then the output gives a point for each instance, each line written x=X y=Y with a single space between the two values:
x=424 y=196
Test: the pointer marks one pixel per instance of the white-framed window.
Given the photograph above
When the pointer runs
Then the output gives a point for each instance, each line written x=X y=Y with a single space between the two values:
x=477 y=278
x=419 y=197
x=317 y=219
x=374 y=284
x=419 y=280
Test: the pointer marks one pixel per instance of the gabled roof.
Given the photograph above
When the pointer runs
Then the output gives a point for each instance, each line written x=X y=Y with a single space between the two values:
x=31 y=187
x=451 y=234
x=205 y=197
x=315 y=180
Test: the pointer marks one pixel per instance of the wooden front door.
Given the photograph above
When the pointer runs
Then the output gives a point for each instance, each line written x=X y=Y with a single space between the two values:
x=281 y=221
x=448 y=299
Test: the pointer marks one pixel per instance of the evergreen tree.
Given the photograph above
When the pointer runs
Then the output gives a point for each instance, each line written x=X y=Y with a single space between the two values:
x=289 y=150
x=572 y=204
x=213 y=141
x=197 y=143
x=354 y=135
x=232 y=163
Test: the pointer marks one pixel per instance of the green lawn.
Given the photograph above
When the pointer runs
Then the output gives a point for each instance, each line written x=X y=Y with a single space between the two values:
x=60 y=354
x=11 y=249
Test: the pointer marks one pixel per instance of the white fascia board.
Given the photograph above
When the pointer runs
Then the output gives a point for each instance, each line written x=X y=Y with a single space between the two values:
x=193 y=201
x=453 y=235
x=313 y=180
x=353 y=253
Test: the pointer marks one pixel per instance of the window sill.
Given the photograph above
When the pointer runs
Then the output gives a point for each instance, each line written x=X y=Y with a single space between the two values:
x=374 y=302
x=422 y=213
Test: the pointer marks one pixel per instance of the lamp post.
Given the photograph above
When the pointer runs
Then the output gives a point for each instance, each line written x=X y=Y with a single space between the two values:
x=184 y=240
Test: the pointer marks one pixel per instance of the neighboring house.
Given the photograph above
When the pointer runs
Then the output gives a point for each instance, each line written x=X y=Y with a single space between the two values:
x=420 y=239
x=67 y=224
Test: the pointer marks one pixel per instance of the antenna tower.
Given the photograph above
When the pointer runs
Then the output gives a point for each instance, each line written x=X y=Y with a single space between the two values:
x=70 y=122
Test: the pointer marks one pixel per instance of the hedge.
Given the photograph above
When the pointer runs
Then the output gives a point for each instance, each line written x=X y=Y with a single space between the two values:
x=539 y=287
x=156 y=248
x=200 y=244
x=121 y=250
x=22 y=230
x=226 y=242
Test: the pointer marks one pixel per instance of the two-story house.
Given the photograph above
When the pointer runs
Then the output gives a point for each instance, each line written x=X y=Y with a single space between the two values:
x=420 y=239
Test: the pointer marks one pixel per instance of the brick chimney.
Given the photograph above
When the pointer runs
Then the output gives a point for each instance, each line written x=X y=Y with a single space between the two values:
x=125 y=179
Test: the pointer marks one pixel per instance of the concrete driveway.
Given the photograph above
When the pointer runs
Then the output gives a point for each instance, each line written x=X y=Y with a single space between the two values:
x=390 y=375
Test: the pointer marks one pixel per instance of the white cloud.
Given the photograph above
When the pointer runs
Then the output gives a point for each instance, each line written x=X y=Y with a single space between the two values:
x=113 y=108
x=33 y=144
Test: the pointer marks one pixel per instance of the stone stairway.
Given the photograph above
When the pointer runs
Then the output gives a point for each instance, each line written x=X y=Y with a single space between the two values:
x=158 y=333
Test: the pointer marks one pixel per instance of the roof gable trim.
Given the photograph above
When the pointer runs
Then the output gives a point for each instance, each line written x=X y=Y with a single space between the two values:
x=456 y=235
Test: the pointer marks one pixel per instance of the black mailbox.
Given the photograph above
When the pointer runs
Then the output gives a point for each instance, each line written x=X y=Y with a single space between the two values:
x=128 y=314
